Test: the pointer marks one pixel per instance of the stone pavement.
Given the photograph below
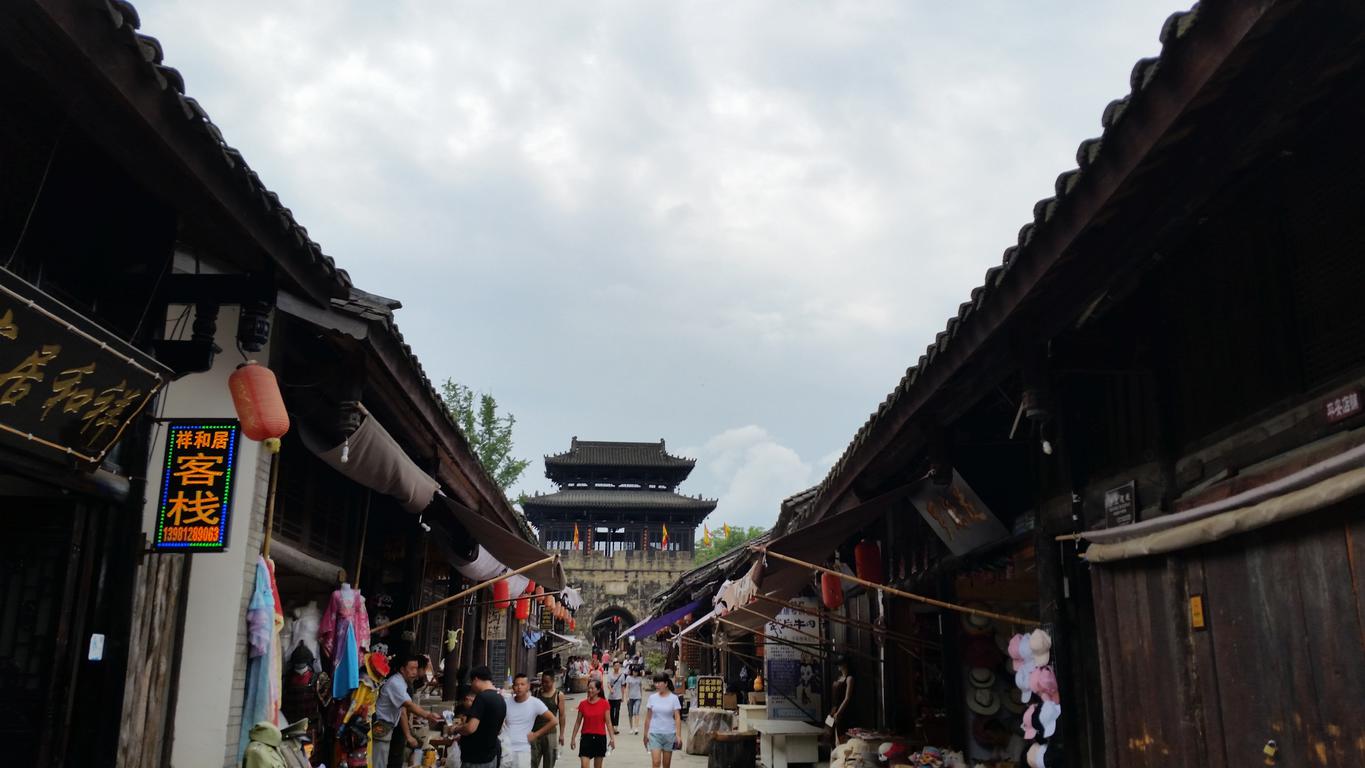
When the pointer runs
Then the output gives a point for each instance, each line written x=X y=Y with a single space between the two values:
x=630 y=748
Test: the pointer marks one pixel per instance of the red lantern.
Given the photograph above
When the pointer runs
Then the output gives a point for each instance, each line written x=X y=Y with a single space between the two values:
x=256 y=397
x=530 y=587
x=571 y=625
x=523 y=610
x=501 y=591
x=867 y=559
x=831 y=590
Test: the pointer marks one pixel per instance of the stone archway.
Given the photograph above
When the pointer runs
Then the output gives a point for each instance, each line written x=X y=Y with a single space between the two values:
x=607 y=625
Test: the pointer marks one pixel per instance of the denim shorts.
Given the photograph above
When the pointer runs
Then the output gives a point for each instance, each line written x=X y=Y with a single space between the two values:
x=662 y=741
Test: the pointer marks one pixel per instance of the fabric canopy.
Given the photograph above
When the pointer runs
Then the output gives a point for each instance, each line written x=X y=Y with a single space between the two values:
x=567 y=639
x=654 y=625
x=504 y=546
x=812 y=543
x=374 y=459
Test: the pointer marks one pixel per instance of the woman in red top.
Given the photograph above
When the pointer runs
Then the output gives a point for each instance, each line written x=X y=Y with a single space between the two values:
x=596 y=727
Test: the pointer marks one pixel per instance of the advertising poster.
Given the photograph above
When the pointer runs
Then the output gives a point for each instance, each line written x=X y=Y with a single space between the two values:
x=791 y=666
x=959 y=517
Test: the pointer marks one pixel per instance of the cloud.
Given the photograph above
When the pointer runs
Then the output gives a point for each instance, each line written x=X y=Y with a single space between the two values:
x=751 y=472
x=630 y=220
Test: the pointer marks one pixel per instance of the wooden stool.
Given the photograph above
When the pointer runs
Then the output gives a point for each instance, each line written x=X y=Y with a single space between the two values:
x=733 y=749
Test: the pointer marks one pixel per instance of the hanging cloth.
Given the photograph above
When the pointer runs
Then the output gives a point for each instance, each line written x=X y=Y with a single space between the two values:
x=346 y=677
x=262 y=702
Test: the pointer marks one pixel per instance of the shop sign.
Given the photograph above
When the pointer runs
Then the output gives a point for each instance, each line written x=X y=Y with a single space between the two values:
x=196 y=486
x=957 y=515
x=1120 y=505
x=547 y=619
x=1342 y=407
x=792 y=673
x=497 y=659
x=710 y=691
x=1197 y=613
x=68 y=387
x=495 y=624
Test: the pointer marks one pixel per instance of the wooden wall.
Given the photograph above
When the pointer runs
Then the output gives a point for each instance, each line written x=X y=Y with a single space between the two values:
x=1283 y=655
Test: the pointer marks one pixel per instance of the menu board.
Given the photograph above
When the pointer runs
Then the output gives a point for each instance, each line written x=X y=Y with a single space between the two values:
x=710 y=691
x=497 y=660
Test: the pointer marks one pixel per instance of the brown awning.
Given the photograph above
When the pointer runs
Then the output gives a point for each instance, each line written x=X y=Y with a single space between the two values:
x=510 y=549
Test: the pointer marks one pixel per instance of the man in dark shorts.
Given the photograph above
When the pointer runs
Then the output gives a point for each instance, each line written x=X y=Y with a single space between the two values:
x=479 y=746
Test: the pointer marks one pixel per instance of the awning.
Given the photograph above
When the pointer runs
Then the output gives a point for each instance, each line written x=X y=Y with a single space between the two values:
x=372 y=458
x=1208 y=529
x=568 y=639
x=694 y=625
x=506 y=547
x=654 y=625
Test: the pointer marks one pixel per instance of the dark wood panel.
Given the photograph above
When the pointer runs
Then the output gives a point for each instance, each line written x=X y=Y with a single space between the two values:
x=1204 y=665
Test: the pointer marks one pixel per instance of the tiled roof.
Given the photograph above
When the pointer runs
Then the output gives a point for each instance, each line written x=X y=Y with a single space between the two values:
x=618 y=498
x=124 y=18
x=1174 y=34
x=584 y=453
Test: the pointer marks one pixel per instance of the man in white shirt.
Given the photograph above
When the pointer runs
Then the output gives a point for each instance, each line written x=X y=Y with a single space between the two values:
x=522 y=711
x=394 y=702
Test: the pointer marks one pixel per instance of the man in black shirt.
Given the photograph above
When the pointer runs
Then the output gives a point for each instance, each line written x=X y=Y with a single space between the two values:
x=479 y=747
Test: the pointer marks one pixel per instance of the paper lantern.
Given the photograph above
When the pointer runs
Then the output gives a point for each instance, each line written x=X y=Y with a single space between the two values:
x=867 y=559
x=530 y=587
x=831 y=590
x=571 y=625
x=523 y=610
x=256 y=397
x=501 y=592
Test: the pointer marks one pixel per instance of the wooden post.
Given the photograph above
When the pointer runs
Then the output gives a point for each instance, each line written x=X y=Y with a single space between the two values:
x=364 y=534
x=270 y=502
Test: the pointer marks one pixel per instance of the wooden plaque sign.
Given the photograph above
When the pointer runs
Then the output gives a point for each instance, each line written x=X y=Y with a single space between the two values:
x=68 y=387
x=710 y=691
x=1120 y=505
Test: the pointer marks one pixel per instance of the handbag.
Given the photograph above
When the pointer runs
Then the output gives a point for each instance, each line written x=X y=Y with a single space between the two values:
x=381 y=731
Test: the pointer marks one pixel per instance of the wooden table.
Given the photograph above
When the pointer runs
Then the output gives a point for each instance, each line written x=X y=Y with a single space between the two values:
x=785 y=742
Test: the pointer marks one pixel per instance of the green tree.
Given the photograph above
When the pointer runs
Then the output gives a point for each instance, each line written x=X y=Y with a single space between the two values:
x=488 y=433
x=720 y=543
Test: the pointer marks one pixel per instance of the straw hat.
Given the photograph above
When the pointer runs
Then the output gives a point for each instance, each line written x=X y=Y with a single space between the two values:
x=983 y=701
x=976 y=624
x=980 y=677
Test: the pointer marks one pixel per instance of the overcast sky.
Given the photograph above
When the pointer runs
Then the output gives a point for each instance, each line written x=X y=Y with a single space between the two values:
x=730 y=225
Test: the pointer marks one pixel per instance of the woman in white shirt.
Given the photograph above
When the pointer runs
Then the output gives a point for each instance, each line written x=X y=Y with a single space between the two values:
x=663 y=723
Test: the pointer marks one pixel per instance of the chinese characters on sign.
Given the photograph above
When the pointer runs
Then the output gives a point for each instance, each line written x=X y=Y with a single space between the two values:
x=1342 y=407
x=710 y=691
x=1120 y=504
x=66 y=385
x=196 y=486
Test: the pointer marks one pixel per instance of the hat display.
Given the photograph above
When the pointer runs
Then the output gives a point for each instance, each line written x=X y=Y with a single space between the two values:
x=1037 y=755
x=1030 y=732
x=980 y=677
x=977 y=624
x=990 y=732
x=1021 y=681
x=980 y=651
x=1043 y=681
x=983 y=701
x=1012 y=704
x=1040 y=645
x=1018 y=651
x=1048 y=713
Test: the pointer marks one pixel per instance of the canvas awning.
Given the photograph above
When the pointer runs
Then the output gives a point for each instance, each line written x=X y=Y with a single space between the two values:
x=372 y=458
x=648 y=628
x=505 y=547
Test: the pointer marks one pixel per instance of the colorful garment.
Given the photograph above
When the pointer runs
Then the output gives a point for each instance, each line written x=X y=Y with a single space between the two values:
x=343 y=631
x=262 y=682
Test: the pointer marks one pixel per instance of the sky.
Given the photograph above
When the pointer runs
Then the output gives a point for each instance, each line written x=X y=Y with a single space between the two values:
x=730 y=225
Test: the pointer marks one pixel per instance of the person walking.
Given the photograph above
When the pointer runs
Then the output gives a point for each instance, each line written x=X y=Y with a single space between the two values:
x=634 y=685
x=395 y=703
x=616 y=690
x=595 y=726
x=524 y=711
x=663 y=723
x=544 y=751
x=479 y=747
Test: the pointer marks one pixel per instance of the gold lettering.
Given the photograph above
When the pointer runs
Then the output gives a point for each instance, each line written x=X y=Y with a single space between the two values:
x=107 y=410
x=64 y=389
x=19 y=381
x=8 y=328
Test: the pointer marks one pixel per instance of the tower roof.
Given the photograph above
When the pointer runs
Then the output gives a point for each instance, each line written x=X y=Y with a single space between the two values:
x=604 y=453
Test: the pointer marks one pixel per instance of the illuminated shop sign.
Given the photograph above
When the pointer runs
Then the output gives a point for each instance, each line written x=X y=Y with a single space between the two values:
x=196 y=486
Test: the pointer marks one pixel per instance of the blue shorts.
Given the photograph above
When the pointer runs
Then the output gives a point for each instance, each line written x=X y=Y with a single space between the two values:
x=663 y=741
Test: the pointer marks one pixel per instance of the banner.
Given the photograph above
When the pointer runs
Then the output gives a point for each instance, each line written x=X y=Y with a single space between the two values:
x=792 y=675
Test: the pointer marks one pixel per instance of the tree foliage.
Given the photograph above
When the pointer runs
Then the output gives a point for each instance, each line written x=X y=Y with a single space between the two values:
x=720 y=543
x=488 y=432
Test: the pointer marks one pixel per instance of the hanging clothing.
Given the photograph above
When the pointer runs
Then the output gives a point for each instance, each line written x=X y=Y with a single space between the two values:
x=264 y=749
x=342 y=632
x=262 y=681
